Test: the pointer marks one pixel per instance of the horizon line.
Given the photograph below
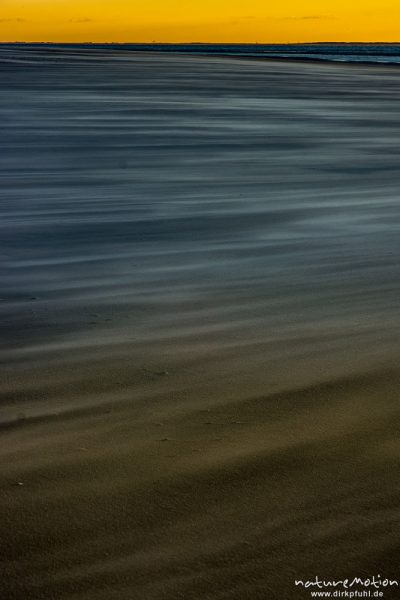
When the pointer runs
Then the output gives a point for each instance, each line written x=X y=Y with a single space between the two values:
x=154 y=43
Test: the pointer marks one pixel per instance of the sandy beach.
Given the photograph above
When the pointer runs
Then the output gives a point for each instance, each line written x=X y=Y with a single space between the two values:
x=199 y=325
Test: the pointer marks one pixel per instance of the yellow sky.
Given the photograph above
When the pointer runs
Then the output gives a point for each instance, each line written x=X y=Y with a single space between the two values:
x=199 y=20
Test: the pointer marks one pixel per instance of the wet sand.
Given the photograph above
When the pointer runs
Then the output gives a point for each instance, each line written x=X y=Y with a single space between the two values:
x=199 y=325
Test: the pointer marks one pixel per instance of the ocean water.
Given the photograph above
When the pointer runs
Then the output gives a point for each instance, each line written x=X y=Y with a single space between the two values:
x=161 y=210
x=352 y=53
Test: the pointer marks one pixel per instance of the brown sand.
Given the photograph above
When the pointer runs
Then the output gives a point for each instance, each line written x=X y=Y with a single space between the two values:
x=156 y=500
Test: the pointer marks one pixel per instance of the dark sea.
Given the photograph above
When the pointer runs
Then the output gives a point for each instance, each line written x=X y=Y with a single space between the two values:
x=352 y=53
x=156 y=206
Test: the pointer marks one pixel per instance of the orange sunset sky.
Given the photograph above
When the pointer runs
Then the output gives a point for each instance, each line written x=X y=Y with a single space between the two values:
x=199 y=20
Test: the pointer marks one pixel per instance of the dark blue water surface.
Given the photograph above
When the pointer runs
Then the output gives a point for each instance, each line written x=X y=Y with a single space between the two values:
x=155 y=207
x=357 y=53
